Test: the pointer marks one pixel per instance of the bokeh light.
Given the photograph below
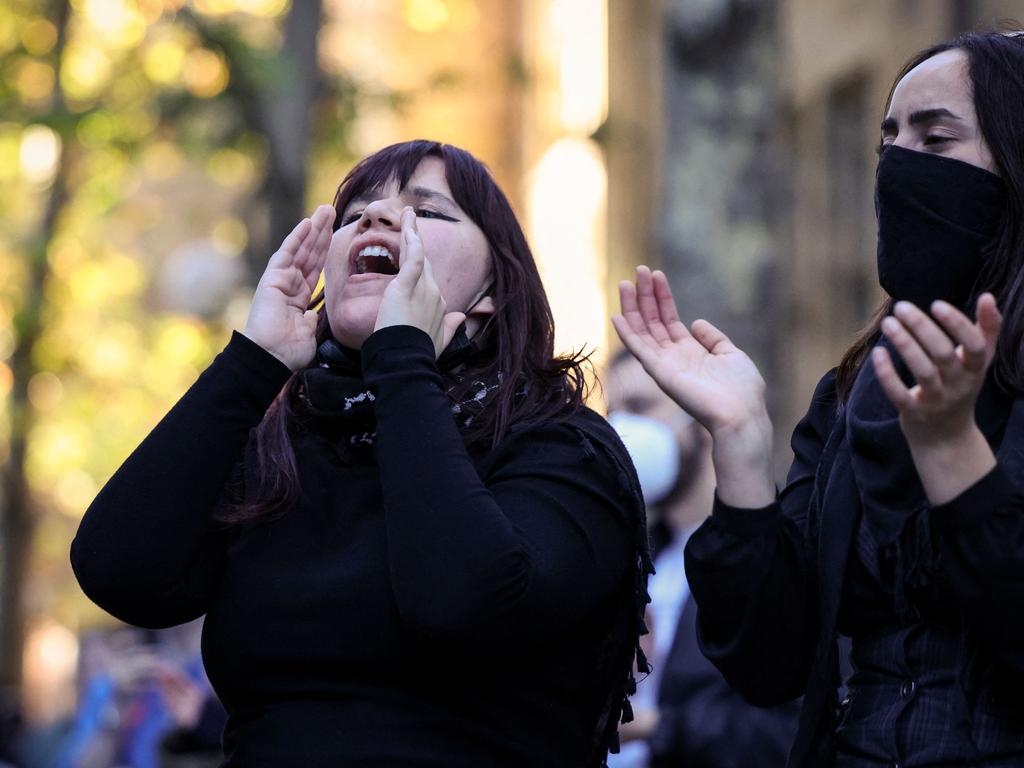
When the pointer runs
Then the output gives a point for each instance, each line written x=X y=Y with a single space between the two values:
x=164 y=60
x=50 y=659
x=205 y=73
x=39 y=153
x=45 y=390
x=426 y=15
x=566 y=204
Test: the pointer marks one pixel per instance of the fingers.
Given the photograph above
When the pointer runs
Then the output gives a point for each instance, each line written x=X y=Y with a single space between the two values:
x=712 y=339
x=410 y=258
x=452 y=321
x=667 y=311
x=631 y=327
x=632 y=341
x=972 y=350
x=630 y=310
x=921 y=367
x=295 y=238
x=936 y=351
x=312 y=253
x=990 y=322
x=649 y=310
x=889 y=379
x=305 y=246
x=310 y=318
x=931 y=350
x=647 y=304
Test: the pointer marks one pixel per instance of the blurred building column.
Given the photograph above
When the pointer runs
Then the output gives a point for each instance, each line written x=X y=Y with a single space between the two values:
x=839 y=61
x=565 y=51
x=706 y=183
x=633 y=139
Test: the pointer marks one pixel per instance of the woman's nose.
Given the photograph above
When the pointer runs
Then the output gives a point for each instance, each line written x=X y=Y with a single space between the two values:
x=382 y=213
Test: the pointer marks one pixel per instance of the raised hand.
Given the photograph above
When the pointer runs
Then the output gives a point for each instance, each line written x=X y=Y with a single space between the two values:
x=413 y=297
x=279 y=320
x=699 y=368
x=948 y=366
x=949 y=357
x=710 y=378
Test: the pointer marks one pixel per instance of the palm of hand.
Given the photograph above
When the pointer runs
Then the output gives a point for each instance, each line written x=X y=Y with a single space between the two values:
x=279 y=307
x=716 y=387
x=279 y=320
x=699 y=367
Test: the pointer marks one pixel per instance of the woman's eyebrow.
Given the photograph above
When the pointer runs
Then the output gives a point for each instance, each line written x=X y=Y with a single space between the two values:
x=424 y=193
x=921 y=116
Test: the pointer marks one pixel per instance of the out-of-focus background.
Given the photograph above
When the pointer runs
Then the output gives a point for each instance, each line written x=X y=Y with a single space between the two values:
x=154 y=152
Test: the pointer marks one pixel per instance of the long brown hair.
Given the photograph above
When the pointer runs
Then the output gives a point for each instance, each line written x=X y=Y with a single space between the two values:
x=515 y=348
x=996 y=65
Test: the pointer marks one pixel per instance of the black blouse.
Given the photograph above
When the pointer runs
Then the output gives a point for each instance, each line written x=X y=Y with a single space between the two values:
x=417 y=607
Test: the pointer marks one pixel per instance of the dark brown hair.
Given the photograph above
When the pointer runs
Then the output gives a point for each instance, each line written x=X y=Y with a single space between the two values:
x=996 y=66
x=514 y=348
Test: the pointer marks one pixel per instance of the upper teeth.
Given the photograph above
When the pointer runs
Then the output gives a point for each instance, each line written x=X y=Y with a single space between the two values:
x=376 y=250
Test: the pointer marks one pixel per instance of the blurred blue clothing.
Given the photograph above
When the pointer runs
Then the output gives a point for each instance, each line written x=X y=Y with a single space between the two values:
x=99 y=694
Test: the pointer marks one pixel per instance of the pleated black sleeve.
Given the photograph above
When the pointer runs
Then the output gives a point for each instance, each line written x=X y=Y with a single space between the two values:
x=752 y=574
x=533 y=551
x=148 y=550
x=978 y=562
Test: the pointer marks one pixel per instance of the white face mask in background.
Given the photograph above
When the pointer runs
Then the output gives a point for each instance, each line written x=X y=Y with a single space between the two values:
x=655 y=452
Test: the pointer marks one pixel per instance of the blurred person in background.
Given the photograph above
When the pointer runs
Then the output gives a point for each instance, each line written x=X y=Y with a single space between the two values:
x=10 y=730
x=143 y=701
x=902 y=522
x=685 y=714
x=413 y=543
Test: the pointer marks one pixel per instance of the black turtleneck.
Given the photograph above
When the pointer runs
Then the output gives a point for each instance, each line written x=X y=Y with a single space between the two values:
x=417 y=607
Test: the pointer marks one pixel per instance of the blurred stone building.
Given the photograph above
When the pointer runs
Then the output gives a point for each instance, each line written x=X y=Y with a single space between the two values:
x=741 y=152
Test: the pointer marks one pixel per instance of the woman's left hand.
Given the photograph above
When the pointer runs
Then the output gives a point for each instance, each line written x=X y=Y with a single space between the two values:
x=948 y=366
x=413 y=297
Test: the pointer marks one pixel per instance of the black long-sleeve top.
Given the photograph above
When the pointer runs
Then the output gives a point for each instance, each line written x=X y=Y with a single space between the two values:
x=775 y=585
x=423 y=608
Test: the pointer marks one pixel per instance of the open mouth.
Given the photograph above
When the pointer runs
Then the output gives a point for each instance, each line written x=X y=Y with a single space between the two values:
x=376 y=259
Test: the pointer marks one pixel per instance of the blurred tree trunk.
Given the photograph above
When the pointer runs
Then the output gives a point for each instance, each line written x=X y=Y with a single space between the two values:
x=724 y=186
x=284 y=117
x=280 y=109
x=16 y=510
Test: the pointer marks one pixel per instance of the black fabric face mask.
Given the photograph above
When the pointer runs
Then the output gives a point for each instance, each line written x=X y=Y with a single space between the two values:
x=937 y=218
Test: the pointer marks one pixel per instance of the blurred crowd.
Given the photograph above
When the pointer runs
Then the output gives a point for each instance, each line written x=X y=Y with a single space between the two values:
x=143 y=701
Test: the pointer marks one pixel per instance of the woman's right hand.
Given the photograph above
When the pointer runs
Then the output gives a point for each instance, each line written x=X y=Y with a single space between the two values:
x=700 y=368
x=279 y=320
x=710 y=378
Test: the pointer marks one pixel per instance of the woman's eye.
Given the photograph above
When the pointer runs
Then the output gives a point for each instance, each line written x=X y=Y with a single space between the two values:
x=351 y=218
x=429 y=214
x=933 y=140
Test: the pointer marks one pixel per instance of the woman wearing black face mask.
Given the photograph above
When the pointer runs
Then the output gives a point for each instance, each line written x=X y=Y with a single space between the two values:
x=901 y=525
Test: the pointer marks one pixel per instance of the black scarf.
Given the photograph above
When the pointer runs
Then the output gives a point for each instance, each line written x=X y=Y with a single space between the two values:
x=937 y=219
x=342 y=406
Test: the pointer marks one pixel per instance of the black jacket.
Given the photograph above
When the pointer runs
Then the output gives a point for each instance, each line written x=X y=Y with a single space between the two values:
x=704 y=723
x=769 y=582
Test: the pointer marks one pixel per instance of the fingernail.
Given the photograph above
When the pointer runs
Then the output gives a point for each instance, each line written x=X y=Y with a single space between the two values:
x=901 y=306
x=890 y=323
x=940 y=307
